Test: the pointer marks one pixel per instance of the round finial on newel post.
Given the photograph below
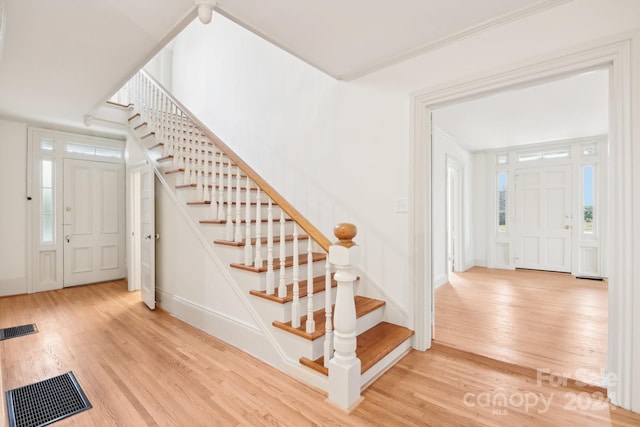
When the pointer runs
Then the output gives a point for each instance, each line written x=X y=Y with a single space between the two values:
x=345 y=233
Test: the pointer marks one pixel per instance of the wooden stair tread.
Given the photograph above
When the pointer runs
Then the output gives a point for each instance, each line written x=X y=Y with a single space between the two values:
x=288 y=262
x=208 y=202
x=183 y=186
x=263 y=240
x=364 y=306
x=170 y=157
x=224 y=221
x=372 y=346
x=208 y=173
x=117 y=104
x=318 y=286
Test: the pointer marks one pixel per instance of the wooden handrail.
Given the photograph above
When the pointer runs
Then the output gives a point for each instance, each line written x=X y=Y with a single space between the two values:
x=277 y=198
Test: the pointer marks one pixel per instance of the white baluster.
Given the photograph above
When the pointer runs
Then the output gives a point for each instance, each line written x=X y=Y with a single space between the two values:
x=270 y=275
x=183 y=154
x=215 y=188
x=310 y=326
x=328 y=321
x=238 y=235
x=220 y=215
x=295 y=305
x=205 y=186
x=199 y=177
x=344 y=367
x=187 y=168
x=257 y=263
x=179 y=164
x=194 y=167
x=248 y=253
x=282 y=289
x=229 y=229
x=203 y=172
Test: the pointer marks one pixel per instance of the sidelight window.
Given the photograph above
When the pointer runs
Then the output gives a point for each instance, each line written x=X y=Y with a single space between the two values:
x=47 y=234
x=502 y=202
x=588 y=196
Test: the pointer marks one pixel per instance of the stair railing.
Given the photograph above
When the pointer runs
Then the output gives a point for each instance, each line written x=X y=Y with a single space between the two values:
x=201 y=160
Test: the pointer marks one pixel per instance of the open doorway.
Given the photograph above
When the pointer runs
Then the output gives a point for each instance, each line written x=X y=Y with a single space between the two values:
x=531 y=204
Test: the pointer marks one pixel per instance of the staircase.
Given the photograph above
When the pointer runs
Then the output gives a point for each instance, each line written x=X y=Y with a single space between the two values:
x=300 y=284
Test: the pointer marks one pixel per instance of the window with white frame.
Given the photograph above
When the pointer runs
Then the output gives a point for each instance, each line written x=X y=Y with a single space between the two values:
x=501 y=202
x=588 y=199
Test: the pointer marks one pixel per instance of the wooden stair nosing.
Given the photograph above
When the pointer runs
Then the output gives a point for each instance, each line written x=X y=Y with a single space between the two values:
x=372 y=346
x=117 y=104
x=263 y=240
x=364 y=306
x=140 y=125
x=288 y=262
x=263 y=204
x=152 y=133
x=183 y=186
x=135 y=116
x=318 y=286
x=209 y=173
x=242 y=221
x=171 y=156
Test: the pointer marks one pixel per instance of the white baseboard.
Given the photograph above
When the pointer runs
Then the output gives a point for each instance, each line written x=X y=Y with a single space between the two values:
x=15 y=286
x=440 y=280
x=239 y=334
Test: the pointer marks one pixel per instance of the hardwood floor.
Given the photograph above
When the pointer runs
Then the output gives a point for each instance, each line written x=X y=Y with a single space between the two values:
x=529 y=318
x=140 y=367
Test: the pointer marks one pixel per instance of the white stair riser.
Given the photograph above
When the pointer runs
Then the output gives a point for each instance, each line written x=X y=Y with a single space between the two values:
x=385 y=363
x=258 y=281
x=208 y=212
x=271 y=311
x=218 y=232
x=190 y=193
x=290 y=341
x=234 y=254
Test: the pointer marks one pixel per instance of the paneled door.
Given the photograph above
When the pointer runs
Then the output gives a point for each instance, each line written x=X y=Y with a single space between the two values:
x=148 y=236
x=93 y=222
x=543 y=218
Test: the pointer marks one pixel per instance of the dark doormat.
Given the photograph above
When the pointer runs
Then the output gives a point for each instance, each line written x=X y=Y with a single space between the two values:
x=46 y=402
x=17 y=331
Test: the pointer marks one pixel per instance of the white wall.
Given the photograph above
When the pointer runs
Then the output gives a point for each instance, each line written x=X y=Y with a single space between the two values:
x=339 y=150
x=161 y=65
x=336 y=150
x=445 y=146
x=13 y=208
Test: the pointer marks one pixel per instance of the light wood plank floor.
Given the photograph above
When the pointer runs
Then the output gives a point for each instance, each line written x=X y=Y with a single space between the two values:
x=534 y=319
x=139 y=367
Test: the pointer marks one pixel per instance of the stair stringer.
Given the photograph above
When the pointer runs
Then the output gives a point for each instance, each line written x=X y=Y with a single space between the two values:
x=262 y=333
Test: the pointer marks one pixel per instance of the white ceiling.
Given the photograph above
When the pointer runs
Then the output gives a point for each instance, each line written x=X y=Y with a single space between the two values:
x=572 y=107
x=348 y=39
x=61 y=58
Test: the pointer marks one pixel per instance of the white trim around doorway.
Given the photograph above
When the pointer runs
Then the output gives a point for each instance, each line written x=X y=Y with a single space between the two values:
x=622 y=55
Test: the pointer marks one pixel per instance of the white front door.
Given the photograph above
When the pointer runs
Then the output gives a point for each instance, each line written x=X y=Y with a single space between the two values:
x=94 y=222
x=543 y=218
x=148 y=236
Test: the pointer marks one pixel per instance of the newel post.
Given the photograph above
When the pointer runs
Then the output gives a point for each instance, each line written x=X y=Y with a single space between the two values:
x=344 y=367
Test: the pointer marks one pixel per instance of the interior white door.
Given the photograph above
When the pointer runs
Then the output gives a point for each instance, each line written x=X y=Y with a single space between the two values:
x=93 y=222
x=148 y=237
x=543 y=218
